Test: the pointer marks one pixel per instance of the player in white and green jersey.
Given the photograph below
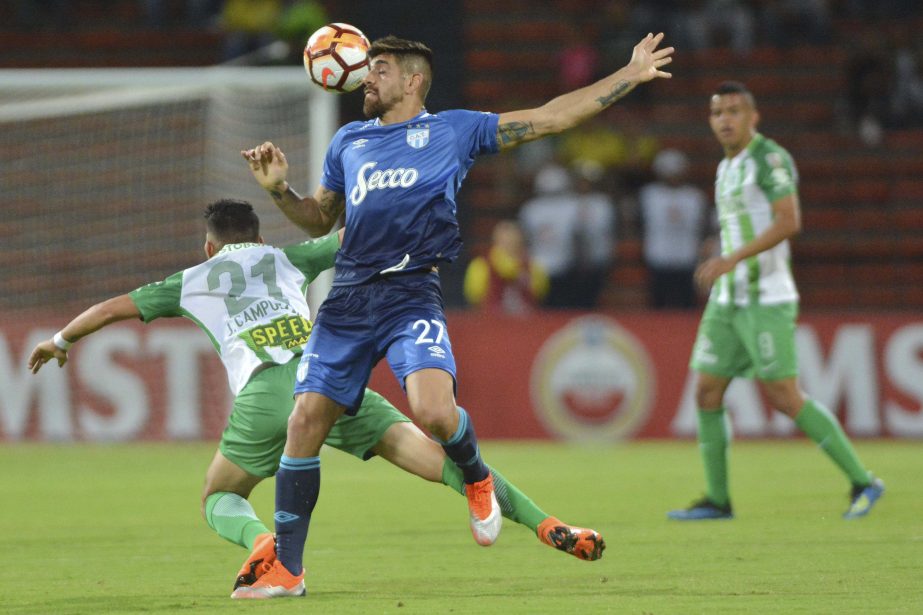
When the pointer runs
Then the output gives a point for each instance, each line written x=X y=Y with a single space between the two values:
x=748 y=327
x=249 y=298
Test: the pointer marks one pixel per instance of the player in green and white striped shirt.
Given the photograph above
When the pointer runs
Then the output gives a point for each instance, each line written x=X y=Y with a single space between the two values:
x=249 y=298
x=748 y=328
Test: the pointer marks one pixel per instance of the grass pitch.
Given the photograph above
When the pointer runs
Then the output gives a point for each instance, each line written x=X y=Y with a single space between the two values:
x=116 y=529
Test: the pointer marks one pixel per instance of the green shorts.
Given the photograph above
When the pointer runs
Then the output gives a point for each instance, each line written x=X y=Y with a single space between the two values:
x=255 y=433
x=750 y=342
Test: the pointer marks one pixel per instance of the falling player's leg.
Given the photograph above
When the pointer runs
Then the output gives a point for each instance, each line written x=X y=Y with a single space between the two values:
x=407 y=447
x=297 y=489
x=249 y=451
x=229 y=513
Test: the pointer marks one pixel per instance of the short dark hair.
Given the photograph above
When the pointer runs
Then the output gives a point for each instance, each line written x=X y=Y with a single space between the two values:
x=735 y=87
x=232 y=221
x=413 y=56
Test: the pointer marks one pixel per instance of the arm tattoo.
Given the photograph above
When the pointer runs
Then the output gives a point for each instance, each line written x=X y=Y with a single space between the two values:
x=331 y=204
x=618 y=91
x=279 y=196
x=514 y=132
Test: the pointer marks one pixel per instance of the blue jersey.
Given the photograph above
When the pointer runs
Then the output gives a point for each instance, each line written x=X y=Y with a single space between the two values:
x=400 y=182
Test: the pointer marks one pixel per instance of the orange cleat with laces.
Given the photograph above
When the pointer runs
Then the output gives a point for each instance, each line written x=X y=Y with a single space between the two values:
x=277 y=582
x=259 y=561
x=485 y=515
x=580 y=542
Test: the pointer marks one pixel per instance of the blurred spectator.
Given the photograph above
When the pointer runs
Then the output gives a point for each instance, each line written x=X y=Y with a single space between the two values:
x=620 y=24
x=571 y=233
x=674 y=219
x=298 y=21
x=506 y=279
x=548 y=220
x=625 y=21
x=578 y=61
x=907 y=93
x=721 y=23
x=595 y=232
x=623 y=150
x=868 y=79
x=249 y=25
x=617 y=34
x=596 y=140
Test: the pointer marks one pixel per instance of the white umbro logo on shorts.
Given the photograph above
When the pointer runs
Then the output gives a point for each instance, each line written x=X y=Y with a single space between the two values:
x=437 y=351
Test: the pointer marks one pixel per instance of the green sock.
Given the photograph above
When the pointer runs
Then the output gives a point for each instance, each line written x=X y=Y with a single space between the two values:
x=232 y=517
x=514 y=504
x=821 y=426
x=713 y=446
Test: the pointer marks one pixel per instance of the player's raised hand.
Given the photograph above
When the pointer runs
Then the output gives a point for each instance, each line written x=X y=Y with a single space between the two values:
x=44 y=352
x=268 y=165
x=647 y=60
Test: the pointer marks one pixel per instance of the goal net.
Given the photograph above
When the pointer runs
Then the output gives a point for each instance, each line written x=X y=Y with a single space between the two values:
x=106 y=172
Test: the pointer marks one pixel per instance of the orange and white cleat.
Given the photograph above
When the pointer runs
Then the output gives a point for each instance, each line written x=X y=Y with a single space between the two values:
x=276 y=582
x=259 y=561
x=580 y=542
x=485 y=515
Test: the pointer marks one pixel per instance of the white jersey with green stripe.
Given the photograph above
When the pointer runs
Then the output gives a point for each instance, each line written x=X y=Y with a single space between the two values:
x=746 y=186
x=249 y=298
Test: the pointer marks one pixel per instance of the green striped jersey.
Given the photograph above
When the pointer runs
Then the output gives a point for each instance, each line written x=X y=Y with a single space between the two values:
x=745 y=188
x=249 y=298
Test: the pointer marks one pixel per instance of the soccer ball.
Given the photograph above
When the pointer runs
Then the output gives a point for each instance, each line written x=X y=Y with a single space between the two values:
x=336 y=57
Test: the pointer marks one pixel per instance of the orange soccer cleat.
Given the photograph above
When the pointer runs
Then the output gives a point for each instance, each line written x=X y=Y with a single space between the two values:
x=485 y=515
x=259 y=561
x=580 y=542
x=276 y=582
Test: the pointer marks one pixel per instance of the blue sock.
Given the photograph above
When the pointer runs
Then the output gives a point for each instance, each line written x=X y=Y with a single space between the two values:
x=462 y=448
x=297 y=486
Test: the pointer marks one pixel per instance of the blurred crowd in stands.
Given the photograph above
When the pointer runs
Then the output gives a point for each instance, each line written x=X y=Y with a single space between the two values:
x=252 y=29
x=631 y=187
x=580 y=194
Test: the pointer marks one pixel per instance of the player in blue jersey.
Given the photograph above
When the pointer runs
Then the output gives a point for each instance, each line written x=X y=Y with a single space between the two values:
x=260 y=354
x=396 y=177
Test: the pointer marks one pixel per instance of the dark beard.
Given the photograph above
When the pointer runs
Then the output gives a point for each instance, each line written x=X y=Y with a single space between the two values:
x=377 y=108
x=373 y=109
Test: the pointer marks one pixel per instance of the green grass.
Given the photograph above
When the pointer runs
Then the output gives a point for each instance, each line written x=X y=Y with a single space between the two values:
x=116 y=529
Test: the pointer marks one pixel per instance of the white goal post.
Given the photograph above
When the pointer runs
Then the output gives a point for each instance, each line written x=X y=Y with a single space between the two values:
x=107 y=171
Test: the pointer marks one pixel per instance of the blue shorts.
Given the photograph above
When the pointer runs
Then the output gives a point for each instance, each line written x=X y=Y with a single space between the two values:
x=399 y=317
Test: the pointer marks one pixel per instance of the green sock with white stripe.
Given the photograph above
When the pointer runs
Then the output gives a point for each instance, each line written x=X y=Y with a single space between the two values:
x=821 y=426
x=514 y=504
x=233 y=518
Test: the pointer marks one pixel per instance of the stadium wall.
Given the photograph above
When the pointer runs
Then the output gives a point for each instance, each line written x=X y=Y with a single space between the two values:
x=599 y=377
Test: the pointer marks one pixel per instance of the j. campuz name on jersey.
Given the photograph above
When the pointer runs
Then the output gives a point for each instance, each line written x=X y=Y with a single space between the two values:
x=380 y=180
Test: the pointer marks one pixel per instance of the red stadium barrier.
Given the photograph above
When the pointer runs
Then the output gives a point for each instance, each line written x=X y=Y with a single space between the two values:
x=554 y=375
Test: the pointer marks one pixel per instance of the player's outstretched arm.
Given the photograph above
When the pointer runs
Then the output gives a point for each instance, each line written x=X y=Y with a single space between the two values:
x=315 y=215
x=93 y=319
x=573 y=108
